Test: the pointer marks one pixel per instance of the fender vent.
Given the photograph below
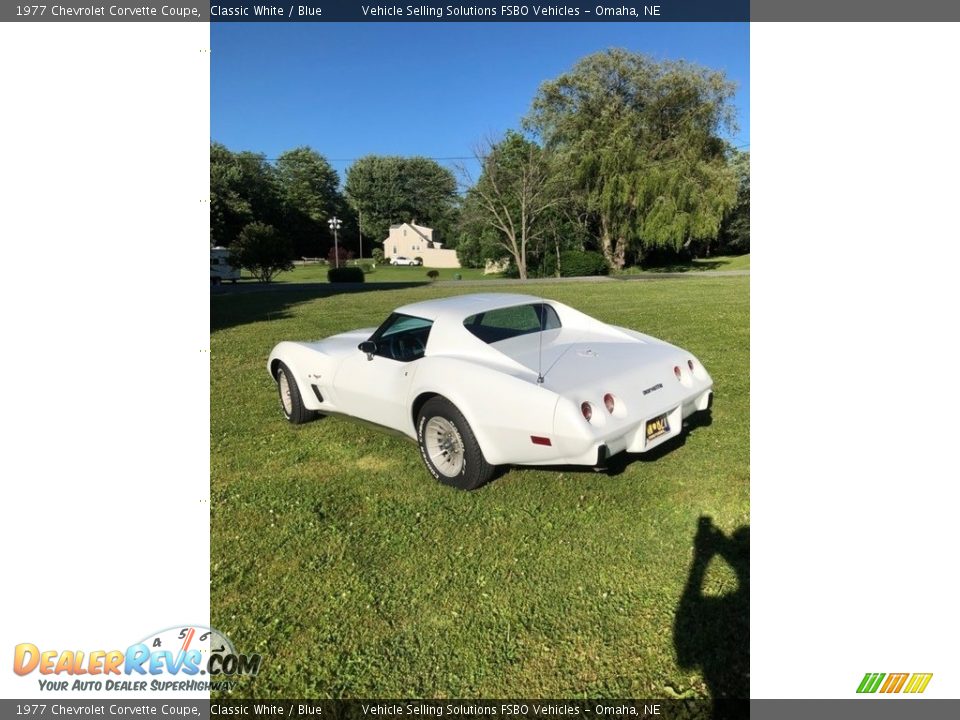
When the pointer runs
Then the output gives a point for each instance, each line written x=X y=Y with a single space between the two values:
x=316 y=391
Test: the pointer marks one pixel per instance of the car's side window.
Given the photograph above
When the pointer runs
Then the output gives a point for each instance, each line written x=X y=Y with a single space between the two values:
x=402 y=337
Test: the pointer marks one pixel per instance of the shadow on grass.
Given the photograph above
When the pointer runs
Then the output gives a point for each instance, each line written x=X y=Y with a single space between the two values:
x=244 y=303
x=620 y=462
x=692 y=265
x=712 y=632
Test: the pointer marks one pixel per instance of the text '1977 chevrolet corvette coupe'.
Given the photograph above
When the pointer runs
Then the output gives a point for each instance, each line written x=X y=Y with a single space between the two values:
x=497 y=379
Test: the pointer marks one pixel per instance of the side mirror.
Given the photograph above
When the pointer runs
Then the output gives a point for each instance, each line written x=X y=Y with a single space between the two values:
x=369 y=347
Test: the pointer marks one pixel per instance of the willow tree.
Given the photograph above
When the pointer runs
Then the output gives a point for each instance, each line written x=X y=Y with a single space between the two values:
x=640 y=141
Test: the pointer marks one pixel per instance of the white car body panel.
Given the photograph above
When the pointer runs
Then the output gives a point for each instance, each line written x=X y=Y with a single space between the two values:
x=495 y=386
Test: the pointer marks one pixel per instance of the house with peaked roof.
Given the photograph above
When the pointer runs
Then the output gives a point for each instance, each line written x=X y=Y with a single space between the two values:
x=416 y=241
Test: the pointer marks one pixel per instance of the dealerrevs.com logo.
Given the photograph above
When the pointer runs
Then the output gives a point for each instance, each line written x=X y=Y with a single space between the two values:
x=894 y=683
x=182 y=658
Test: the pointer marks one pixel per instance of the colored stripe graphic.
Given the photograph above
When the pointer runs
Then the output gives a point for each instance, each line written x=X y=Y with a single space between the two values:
x=918 y=683
x=894 y=682
x=870 y=682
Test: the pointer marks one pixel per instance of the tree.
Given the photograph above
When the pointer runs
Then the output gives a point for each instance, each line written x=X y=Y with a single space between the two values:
x=476 y=241
x=640 y=142
x=243 y=189
x=262 y=251
x=374 y=189
x=735 y=229
x=309 y=188
x=514 y=192
x=229 y=210
x=389 y=190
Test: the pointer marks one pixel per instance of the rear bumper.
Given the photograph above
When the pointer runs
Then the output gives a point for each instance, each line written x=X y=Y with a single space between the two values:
x=633 y=438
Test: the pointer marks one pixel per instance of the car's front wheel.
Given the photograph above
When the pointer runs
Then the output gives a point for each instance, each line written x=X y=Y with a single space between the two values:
x=290 y=401
x=448 y=446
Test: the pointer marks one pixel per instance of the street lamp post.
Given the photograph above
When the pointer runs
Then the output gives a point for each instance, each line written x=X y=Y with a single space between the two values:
x=335 y=224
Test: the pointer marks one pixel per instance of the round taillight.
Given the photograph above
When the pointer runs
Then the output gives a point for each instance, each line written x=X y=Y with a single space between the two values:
x=676 y=371
x=587 y=410
x=609 y=401
x=690 y=365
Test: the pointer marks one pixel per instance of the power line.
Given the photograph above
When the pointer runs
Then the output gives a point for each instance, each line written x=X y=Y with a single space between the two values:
x=462 y=157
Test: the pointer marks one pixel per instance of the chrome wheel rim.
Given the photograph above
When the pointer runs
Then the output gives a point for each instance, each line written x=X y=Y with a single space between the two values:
x=444 y=446
x=285 y=400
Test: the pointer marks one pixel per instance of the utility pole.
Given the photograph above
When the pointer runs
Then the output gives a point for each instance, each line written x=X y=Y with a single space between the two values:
x=335 y=224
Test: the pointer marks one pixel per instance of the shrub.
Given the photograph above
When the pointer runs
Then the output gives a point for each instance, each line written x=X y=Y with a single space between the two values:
x=344 y=255
x=263 y=251
x=419 y=259
x=377 y=255
x=511 y=271
x=457 y=276
x=576 y=263
x=345 y=275
x=433 y=274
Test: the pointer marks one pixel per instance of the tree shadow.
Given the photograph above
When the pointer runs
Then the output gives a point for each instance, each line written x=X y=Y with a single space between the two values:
x=233 y=305
x=688 y=266
x=712 y=632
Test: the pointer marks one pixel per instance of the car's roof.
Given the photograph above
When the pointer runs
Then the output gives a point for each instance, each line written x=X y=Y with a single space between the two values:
x=459 y=307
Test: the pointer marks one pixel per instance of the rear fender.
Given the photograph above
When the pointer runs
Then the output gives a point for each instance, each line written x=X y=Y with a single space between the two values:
x=503 y=410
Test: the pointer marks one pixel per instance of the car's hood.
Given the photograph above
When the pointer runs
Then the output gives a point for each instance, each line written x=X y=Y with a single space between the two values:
x=342 y=344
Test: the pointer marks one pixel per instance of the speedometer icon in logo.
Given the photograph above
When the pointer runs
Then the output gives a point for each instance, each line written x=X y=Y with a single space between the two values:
x=194 y=650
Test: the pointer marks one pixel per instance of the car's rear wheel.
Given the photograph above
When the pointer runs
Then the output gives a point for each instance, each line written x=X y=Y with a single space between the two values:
x=290 y=401
x=449 y=448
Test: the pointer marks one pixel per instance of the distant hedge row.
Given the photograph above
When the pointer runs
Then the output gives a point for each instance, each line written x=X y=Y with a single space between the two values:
x=576 y=263
x=345 y=275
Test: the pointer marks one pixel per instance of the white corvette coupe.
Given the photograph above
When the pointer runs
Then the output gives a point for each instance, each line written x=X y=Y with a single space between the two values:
x=497 y=379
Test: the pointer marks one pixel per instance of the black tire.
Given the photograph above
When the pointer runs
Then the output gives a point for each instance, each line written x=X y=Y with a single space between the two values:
x=294 y=411
x=473 y=470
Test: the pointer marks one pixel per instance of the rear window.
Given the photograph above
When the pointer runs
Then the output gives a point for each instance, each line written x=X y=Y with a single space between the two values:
x=505 y=323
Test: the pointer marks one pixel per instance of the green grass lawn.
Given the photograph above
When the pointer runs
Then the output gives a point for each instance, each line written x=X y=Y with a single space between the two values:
x=336 y=556
x=382 y=273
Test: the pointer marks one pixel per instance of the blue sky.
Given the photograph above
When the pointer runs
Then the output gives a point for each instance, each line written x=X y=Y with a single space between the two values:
x=433 y=89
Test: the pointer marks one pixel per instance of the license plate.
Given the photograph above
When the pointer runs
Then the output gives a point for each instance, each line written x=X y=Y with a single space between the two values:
x=657 y=427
